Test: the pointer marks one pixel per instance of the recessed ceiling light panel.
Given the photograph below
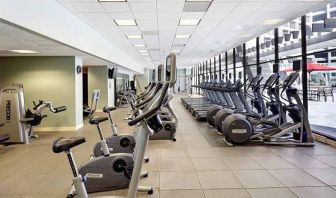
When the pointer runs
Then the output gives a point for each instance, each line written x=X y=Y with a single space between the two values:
x=189 y=22
x=196 y=6
x=182 y=36
x=139 y=45
x=134 y=36
x=24 y=51
x=129 y=22
x=272 y=21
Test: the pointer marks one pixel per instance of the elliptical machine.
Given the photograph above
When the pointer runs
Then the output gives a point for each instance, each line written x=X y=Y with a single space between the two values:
x=238 y=129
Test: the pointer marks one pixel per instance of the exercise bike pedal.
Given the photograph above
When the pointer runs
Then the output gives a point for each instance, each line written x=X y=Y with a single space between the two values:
x=151 y=191
x=70 y=196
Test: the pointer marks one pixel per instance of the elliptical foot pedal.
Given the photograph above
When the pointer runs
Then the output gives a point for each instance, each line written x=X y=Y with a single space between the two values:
x=228 y=143
x=219 y=133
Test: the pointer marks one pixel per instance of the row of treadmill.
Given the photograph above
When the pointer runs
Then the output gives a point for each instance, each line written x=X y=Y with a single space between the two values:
x=259 y=110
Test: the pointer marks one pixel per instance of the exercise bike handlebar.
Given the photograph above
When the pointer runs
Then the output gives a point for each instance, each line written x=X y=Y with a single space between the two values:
x=49 y=105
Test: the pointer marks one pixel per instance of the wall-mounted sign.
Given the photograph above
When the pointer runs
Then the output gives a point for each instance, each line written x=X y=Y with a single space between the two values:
x=78 y=69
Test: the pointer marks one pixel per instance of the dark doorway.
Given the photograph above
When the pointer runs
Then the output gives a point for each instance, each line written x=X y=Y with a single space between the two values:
x=85 y=85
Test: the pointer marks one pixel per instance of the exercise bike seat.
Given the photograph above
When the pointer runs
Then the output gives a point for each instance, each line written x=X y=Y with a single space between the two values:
x=4 y=137
x=107 y=109
x=63 y=144
x=97 y=119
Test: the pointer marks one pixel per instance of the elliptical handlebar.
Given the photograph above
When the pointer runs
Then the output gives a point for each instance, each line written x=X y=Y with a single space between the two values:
x=152 y=110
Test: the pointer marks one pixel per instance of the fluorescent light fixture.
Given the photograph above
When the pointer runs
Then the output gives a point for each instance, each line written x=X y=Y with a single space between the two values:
x=143 y=51
x=175 y=51
x=139 y=45
x=189 y=22
x=272 y=21
x=145 y=54
x=112 y=0
x=197 y=0
x=246 y=35
x=24 y=51
x=134 y=36
x=182 y=36
x=128 y=22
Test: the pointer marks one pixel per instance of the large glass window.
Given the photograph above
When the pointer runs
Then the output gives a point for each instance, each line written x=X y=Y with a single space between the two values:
x=321 y=68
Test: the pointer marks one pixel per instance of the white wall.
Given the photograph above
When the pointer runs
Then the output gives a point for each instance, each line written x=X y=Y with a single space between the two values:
x=79 y=93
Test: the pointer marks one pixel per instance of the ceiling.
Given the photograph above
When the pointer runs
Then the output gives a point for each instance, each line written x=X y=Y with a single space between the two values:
x=14 y=38
x=225 y=24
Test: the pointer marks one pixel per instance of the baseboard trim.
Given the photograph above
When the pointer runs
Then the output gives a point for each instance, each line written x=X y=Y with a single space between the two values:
x=44 y=129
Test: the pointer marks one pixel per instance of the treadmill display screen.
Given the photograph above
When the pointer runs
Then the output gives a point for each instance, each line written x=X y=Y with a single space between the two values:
x=168 y=68
x=297 y=65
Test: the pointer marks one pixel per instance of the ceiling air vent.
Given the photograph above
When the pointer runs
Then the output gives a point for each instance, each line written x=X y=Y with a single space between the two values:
x=196 y=6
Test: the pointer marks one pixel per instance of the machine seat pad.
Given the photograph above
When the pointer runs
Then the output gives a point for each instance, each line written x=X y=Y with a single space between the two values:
x=107 y=109
x=97 y=119
x=65 y=144
x=4 y=137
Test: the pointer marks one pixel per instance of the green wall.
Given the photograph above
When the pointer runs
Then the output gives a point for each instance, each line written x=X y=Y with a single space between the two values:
x=97 y=79
x=45 y=78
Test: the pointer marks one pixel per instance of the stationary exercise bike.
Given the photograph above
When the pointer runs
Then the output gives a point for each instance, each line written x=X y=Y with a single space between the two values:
x=108 y=171
x=116 y=143
x=147 y=123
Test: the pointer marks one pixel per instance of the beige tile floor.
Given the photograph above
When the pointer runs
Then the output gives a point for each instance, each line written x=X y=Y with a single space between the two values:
x=198 y=165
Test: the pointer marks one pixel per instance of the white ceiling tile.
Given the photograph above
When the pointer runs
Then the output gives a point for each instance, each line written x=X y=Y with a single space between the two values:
x=274 y=6
x=165 y=22
x=129 y=28
x=88 y=7
x=192 y=15
x=69 y=6
x=170 y=7
x=147 y=22
x=121 y=15
x=222 y=6
x=165 y=28
x=116 y=7
x=169 y=15
x=145 y=15
x=142 y=7
x=96 y=16
x=249 y=6
x=216 y=15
